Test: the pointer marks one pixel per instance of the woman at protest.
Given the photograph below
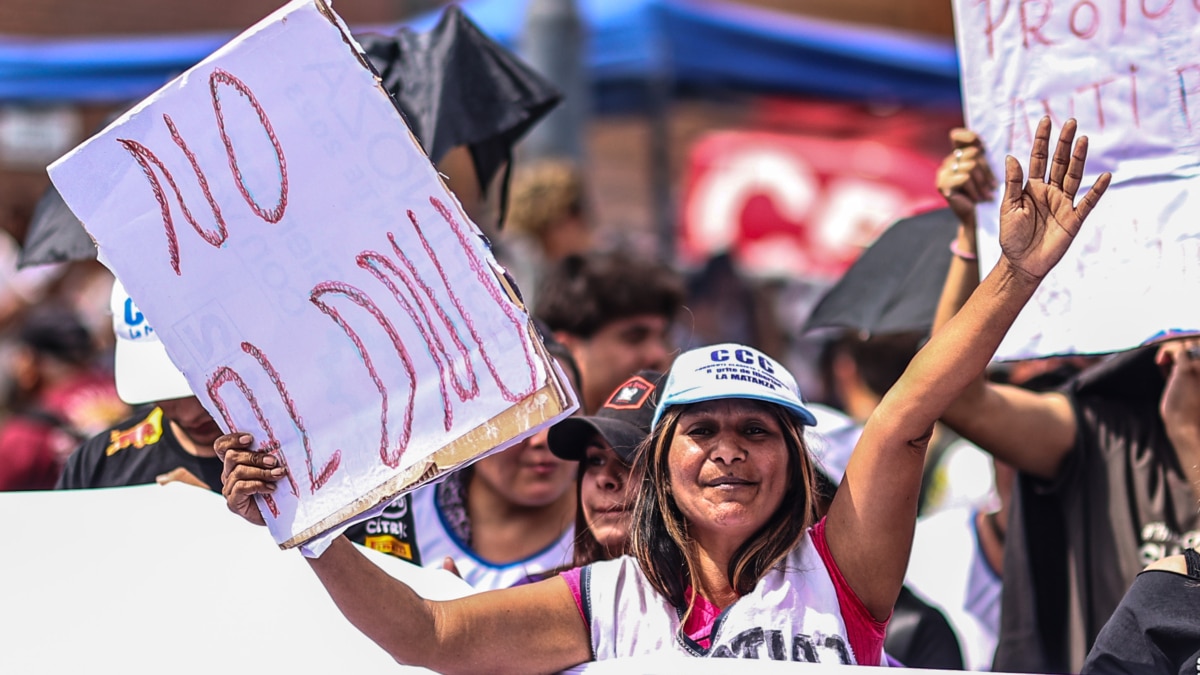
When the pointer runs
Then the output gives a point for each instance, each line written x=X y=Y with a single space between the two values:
x=605 y=445
x=1156 y=627
x=1106 y=467
x=724 y=518
x=503 y=519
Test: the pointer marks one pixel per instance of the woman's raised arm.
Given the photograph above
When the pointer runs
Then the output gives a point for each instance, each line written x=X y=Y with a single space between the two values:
x=531 y=628
x=871 y=520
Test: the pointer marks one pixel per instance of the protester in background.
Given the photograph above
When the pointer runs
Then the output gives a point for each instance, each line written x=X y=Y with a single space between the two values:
x=1108 y=466
x=546 y=222
x=857 y=370
x=724 y=524
x=506 y=517
x=60 y=398
x=918 y=635
x=614 y=312
x=169 y=438
x=605 y=445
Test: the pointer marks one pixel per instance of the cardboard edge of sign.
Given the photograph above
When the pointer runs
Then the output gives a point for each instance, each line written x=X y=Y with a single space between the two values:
x=541 y=406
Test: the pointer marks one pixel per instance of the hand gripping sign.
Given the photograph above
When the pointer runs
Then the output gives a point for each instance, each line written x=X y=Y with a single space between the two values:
x=310 y=274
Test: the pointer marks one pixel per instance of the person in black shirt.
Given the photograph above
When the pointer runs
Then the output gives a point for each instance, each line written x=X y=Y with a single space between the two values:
x=1156 y=628
x=1108 y=465
x=169 y=438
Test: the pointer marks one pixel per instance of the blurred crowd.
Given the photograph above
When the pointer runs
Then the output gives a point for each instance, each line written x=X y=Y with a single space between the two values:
x=1047 y=487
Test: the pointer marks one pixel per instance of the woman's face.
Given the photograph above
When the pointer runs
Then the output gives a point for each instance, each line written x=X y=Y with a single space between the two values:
x=527 y=474
x=728 y=466
x=606 y=496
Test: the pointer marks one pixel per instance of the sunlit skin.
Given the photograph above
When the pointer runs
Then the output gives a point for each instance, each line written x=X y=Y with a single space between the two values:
x=606 y=496
x=188 y=416
x=617 y=351
x=728 y=464
x=527 y=475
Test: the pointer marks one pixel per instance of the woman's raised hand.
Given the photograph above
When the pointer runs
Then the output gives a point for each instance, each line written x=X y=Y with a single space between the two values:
x=1039 y=220
x=246 y=473
x=964 y=178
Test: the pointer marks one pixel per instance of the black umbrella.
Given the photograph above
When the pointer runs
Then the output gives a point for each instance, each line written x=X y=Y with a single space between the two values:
x=895 y=285
x=55 y=234
x=454 y=85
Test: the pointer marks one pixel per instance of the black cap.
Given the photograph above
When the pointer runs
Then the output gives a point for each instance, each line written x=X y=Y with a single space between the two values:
x=623 y=420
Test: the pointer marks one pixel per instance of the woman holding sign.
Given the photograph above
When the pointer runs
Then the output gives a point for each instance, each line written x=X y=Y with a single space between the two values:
x=727 y=559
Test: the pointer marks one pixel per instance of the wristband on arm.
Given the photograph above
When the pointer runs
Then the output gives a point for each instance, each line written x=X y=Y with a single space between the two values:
x=961 y=254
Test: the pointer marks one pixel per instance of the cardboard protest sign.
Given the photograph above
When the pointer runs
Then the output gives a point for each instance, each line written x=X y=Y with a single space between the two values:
x=310 y=274
x=1129 y=72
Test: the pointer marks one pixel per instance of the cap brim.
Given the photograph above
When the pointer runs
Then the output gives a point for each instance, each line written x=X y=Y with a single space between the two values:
x=568 y=439
x=144 y=373
x=699 y=395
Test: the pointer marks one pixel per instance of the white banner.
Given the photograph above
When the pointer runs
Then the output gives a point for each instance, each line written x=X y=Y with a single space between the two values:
x=168 y=571
x=309 y=272
x=1129 y=72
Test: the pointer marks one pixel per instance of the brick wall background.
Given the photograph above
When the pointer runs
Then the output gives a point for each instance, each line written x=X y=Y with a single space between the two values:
x=618 y=163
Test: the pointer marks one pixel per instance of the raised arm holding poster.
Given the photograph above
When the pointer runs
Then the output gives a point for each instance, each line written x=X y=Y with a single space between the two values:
x=310 y=274
x=1129 y=72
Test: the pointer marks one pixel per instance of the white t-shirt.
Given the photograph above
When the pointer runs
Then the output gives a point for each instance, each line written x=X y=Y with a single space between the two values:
x=436 y=540
x=792 y=614
x=948 y=569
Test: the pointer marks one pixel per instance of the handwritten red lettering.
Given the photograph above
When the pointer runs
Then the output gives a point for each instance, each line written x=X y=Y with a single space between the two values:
x=1166 y=7
x=1054 y=118
x=316 y=478
x=1095 y=87
x=223 y=77
x=1041 y=15
x=389 y=457
x=488 y=280
x=991 y=24
x=1042 y=23
x=1097 y=105
x=445 y=362
x=1133 y=98
x=145 y=158
x=270 y=444
x=1017 y=112
x=1184 y=73
x=148 y=161
x=1094 y=19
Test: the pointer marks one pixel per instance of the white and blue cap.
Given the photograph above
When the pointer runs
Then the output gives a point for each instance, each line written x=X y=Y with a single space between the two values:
x=731 y=371
x=144 y=372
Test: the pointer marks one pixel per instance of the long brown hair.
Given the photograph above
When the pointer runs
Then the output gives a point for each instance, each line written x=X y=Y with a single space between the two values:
x=659 y=535
x=588 y=549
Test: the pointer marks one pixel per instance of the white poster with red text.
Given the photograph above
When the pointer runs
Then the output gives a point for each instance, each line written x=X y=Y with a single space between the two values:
x=1129 y=72
x=310 y=274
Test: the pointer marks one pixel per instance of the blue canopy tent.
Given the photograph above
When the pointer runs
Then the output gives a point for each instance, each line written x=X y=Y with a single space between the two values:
x=693 y=46
x=639 y=54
